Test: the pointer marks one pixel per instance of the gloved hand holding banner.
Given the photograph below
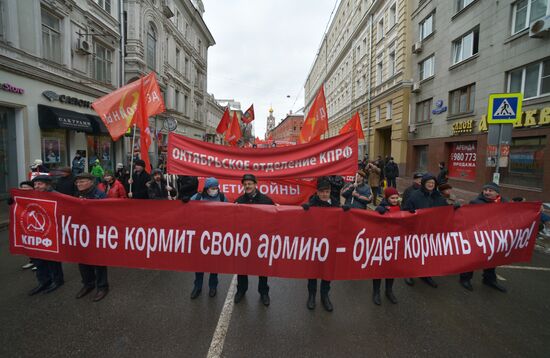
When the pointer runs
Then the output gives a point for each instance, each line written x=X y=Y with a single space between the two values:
x=265 y=240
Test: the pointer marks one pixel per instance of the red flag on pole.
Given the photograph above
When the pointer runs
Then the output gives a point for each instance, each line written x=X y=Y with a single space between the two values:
x=354 y=124
x=233 y=134
x=224 y=122
x=248 y=116
x=316 y=122
x=117 y=109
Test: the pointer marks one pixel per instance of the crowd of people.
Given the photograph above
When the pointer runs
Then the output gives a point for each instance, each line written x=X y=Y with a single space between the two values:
x=363 y=193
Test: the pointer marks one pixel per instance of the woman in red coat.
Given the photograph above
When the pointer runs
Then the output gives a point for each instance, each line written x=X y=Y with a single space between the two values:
x=112 y=187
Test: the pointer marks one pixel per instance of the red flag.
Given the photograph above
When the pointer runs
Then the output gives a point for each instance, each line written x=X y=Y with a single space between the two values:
x=224 y=122
x=117 y=109
x=316 y=122
x=233 y=134
x=354 y=124
x=248 y=116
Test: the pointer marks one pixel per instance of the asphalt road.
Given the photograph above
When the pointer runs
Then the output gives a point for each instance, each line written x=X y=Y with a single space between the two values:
x=149 y=314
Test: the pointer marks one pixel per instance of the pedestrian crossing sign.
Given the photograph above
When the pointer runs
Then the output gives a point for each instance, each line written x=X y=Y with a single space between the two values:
x=504 y=108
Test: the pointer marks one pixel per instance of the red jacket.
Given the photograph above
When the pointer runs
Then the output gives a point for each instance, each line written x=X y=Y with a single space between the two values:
x=116 y=190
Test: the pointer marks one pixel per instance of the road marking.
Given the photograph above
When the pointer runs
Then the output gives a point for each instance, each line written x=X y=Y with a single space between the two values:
x=527 y=268
x=500 y=277
x=340 y=249
x=218 y=339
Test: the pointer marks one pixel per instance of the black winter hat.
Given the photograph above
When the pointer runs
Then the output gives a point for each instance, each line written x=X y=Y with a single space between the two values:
x=249 y=177
x=427 y=177
x=323 y=183
x=42 y=178
x=418 y=175
x=492 y=185
x=139 y=162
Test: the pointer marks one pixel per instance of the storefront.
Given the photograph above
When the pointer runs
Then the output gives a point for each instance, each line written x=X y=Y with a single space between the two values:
x=524 y=164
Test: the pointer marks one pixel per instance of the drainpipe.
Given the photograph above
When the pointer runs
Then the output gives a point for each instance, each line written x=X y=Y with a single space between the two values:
x=369 y=87
x=123 y=143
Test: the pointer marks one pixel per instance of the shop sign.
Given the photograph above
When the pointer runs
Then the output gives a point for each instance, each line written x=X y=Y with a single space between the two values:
x=462 y=160
x=52 y=96
x=11 y=88
x=531 y=118
x=463 y=127
x=439 y=108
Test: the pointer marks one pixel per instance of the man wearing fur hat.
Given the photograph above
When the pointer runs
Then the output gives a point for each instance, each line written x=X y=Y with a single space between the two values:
x=138 y=181
x=490 y=194
x=321 y=199
x=425 y=197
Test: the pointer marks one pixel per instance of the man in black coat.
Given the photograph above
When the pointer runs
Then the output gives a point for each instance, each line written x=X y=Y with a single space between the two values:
x=157 y=188
x=139 y=181
x=92 y=276
x=392 y=172
x=425 y=197
x=65 y=181
x=252 y=196
x=321 y=199
x=490 y=195
x=443 y=176
x=187 y=187
x=417 y=178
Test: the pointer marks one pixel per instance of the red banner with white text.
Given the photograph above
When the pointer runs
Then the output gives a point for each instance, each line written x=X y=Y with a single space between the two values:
x=282 y=192
x=266 y=240
x=333 y=156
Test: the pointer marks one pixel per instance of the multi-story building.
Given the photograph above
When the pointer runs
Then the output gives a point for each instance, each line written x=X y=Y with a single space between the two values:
x=364 y=64
x=288 y=131
x=464 y=51
x=214 y=113
x=170 y=38
x=56 y=57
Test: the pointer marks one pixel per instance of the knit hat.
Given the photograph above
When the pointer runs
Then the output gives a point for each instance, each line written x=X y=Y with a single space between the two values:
x=389 y=191
x=250 y=177
x=322 y=184
x=444 y=187
x=140 y=162
x=36 y=163
x=492 y=185
x=211 y=183
x=427 y=177
x=119 y=165
x=418 y=175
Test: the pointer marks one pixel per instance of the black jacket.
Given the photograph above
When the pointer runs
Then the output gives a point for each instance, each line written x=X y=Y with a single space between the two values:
x=187 y=187
x=391 y=170
x=483 y=200
x=408 y=192
x=336 y=185
x=259 y=198
x=442 y=177
x=93 y=193
x=156 y=191
x=139 y=189
x=422 y=199
x=65 y=185
x=315 y=201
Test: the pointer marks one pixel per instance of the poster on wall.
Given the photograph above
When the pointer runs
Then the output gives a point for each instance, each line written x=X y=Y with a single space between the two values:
x=51 y=149
x=462 y=160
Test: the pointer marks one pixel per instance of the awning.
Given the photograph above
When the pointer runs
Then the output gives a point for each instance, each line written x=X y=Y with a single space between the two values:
x=55 y=118
x=98 y=125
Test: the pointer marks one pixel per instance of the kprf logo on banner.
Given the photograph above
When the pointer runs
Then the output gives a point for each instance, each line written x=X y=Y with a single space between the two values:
x=36 y=228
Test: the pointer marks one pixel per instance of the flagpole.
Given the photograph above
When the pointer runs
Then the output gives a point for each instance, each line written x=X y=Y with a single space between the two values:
x=132 y=160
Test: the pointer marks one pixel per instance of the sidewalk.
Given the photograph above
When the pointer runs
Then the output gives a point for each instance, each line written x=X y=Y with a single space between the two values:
x=4 y=214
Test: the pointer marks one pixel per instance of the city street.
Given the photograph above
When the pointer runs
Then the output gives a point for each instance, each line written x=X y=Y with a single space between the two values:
x=149 y=314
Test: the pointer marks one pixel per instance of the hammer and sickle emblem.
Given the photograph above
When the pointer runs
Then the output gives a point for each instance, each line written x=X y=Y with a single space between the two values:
x=39 y=222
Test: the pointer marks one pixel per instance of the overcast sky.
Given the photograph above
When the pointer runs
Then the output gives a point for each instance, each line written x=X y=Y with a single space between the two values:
x=264 y=51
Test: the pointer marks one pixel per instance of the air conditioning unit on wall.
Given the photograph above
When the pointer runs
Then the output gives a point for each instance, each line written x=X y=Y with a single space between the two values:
x=417 y=47
x=540 y=28
x=83 y=47
x=416 y=87
x=412 y=128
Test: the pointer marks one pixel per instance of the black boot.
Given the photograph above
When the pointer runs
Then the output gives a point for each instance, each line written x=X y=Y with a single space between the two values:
x=325 y=300
x=391 y=296
x=494 y=284
x=311 y=301
x=467 y=284
x=409 y=281
x=376 y=298
x=196 y=292
x=430 y=281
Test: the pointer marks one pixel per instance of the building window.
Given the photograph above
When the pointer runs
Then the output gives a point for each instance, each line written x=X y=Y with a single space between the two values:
x=1 y=20
x=526 y=164
x=177 y=95
x=186 y=68
x=525 y=12
x=426 y=68
x=178 y=59
x=461 y=4
x=532 y=80
x=377 y=118
x=200 y=47
x=51 y=36
x=426 y=27
x=389 y=110
x=379 y=69
x=466 y=46
x=421 y=154
x=151 y=47
x=103 y=63
x=380 y=32
x=104 y=4
x=461 y=100
x=392 y=15
x=423 y=111
x=185 y=105
x=391 y=61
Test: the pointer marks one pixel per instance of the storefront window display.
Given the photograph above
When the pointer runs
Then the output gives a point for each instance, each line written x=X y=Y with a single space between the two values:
x=525 y=167
x=100 y=147
x=54 y=148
